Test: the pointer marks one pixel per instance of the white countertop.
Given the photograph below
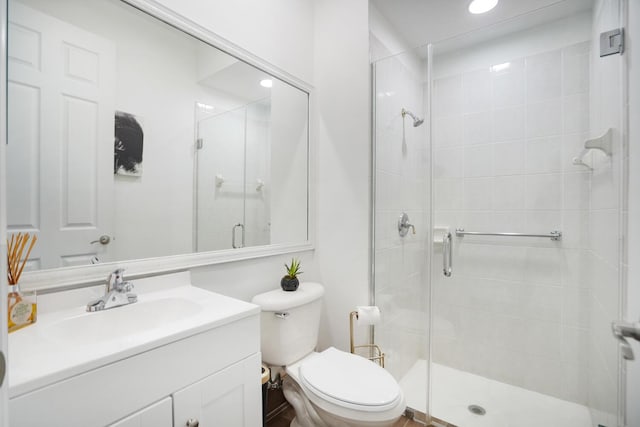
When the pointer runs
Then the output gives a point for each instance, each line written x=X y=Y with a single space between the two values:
x=71 y=341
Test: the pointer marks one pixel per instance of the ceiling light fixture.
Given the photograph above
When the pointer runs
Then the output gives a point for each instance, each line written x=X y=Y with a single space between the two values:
x=481 y=6
x=266 y=83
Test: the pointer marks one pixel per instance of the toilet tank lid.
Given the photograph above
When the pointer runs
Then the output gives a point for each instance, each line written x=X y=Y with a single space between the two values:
x=283 y=300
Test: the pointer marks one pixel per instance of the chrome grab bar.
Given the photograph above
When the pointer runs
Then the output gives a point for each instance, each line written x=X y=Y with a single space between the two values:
x=554 y=235
x=233 y=236
x=447 y=254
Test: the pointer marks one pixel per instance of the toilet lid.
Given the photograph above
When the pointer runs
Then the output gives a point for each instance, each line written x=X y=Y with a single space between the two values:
x=349 y=379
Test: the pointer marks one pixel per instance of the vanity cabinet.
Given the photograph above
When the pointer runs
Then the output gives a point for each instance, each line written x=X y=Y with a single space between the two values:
x=226 y=398
x=209 y=372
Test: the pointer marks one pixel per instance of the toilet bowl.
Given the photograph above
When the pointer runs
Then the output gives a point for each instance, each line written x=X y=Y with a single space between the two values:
x=346 y=390
x=332 y=388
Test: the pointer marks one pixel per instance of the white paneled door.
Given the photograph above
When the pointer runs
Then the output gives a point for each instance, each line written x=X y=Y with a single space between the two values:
x=61 y=92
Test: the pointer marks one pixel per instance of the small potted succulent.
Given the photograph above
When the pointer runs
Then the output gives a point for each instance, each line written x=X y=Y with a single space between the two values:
x=290 y=281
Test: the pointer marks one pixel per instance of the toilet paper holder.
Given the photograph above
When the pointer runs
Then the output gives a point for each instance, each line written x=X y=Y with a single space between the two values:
x=375 y=353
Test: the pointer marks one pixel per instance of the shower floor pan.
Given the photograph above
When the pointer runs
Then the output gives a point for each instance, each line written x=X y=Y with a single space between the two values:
x=454 y=392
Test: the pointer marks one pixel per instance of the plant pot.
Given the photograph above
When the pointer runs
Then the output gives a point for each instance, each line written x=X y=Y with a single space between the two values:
x=289 y=284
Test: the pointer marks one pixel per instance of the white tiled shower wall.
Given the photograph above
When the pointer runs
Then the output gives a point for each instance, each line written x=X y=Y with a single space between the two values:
x=402 y=178
x=515 y=309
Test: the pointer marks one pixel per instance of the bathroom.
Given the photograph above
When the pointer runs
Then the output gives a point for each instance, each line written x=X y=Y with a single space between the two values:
x=326 y=49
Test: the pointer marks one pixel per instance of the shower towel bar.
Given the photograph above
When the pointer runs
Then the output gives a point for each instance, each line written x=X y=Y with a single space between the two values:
x=554 y=235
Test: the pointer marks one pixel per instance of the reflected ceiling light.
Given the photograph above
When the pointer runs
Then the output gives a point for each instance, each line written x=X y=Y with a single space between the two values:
x=204 y=107
x=482 y=6
x=266 y=83
x=500 y=67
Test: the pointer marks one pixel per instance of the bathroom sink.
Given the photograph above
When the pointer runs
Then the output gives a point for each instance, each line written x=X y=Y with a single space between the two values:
x=138 y=318
x=72 y=341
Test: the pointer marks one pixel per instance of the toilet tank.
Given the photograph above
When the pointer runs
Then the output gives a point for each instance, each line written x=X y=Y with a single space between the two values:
x=289 y=323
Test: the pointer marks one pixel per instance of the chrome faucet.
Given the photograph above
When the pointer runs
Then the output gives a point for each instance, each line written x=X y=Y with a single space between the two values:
x=118 y=292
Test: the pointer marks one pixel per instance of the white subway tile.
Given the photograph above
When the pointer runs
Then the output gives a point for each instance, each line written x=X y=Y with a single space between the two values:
x=476 y=88
x=448 y=163
x=541 y=303
x=575 y=63
x=447 y=131
x=447 y=96
x=543 y=155
x=508 y=85
x=478 y=161
x=576 y=113
x=477 y=128
x=544 y=266
x=509 y=123
x=576 y=191
x=477 y=193
x=544 y=118
x=507 y=193
x=543 y=192
x=508 y=158
x=448 y=193
x=543 y=76
x=575 y=307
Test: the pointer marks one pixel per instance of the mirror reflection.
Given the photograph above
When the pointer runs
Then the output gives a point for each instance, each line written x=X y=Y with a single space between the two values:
x=130 y=139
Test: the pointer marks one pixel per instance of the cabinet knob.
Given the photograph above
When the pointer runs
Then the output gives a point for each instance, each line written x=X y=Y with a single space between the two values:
x=192 y=422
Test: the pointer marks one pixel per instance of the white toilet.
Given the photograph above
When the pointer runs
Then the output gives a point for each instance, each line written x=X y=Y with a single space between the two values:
x=328 y=389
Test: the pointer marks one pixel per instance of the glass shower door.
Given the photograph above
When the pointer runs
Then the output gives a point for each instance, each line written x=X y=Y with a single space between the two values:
x=400 y=250
x=521 y=330
x=220 y=182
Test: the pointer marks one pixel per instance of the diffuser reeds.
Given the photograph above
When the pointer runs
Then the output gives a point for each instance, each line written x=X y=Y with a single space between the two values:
x=15 y=249
x=22 y=308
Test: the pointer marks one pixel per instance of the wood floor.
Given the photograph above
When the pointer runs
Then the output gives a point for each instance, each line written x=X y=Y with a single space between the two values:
x=284 y=418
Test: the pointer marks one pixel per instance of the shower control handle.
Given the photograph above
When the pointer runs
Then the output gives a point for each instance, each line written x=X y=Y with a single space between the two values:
x=404 y=225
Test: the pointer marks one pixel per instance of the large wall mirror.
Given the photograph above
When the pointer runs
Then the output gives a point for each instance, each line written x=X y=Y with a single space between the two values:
x=130 y=139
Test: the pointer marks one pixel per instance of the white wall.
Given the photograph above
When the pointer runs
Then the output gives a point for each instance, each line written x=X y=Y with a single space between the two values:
x=279 y=31
x=340 y=127
x=503 y=143
x=329 y=50
x=288 y=164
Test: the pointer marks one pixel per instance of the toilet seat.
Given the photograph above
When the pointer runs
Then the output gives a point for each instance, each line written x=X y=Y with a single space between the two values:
x=349 y=381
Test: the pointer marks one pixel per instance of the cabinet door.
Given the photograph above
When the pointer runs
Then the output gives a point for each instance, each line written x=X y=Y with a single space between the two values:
x=156 y=415
x=230 y=398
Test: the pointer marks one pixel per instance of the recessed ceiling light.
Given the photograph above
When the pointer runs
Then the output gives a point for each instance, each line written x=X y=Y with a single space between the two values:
x=482 y=6
x=266 y=83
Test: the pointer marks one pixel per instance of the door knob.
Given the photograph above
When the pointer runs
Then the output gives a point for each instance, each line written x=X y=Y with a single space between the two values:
x=193 y=422
x=103 y=240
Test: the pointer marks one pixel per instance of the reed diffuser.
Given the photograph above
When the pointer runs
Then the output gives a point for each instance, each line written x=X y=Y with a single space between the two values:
x=22 y=308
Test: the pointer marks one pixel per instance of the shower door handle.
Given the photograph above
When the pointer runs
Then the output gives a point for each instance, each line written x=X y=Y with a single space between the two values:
x=624 y=330
x=233 y=236
x=447 y=254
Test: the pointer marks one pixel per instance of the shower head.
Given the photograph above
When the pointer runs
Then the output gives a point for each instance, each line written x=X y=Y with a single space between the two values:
x=417 y=121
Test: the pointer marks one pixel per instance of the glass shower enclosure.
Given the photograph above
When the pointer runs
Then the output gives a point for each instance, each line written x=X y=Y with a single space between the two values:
x=514 y=184
x=232 y=177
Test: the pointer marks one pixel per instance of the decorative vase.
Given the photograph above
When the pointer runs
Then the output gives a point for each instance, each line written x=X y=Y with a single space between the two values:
x=289 y=284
